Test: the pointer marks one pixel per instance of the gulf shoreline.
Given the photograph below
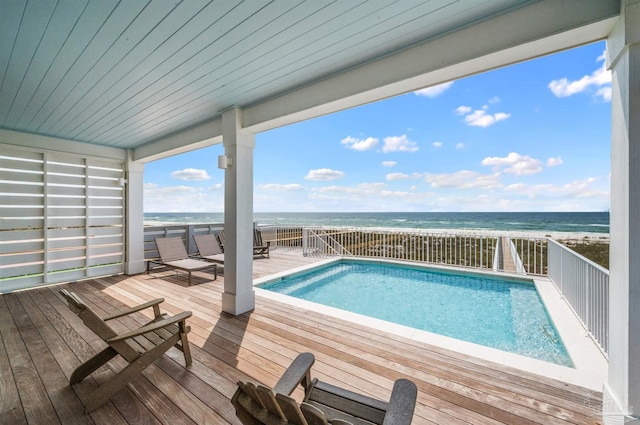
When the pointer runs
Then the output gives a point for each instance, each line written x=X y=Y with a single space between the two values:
x=534 y=234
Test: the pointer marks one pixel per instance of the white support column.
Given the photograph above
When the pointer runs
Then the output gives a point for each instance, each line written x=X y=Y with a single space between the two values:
x=238 y=296
x=134 y=218
x=622 y=391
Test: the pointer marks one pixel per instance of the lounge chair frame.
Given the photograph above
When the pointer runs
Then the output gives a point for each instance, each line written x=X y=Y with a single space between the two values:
x=323 y=403
x=139 y=347
x=173 y=254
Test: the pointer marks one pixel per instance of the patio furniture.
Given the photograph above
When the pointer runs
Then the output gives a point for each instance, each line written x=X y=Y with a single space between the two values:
x=139 y=347
x=323 y=403
x=174 y=254
x=209 y=248
x=259 y=246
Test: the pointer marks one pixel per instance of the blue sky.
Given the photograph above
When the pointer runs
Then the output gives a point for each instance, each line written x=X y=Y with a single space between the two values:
x=530 y=137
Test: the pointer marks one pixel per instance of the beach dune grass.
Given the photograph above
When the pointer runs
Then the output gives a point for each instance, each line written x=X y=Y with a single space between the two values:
x=440 y=248
x=596 y=251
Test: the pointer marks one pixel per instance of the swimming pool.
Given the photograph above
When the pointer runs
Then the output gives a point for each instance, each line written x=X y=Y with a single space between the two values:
x=506 y=314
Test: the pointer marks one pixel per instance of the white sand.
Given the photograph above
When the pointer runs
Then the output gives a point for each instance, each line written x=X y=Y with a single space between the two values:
x=574 y=236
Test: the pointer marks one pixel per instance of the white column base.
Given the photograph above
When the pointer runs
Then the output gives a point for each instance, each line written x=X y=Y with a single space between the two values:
x=134 y=267
x=238 y=303
x=613 y=413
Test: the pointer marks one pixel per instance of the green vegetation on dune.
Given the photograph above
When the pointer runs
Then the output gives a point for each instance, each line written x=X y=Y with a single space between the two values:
x=596 y=251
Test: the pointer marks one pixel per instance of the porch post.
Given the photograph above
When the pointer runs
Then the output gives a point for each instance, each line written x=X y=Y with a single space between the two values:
x=238 y=296
x=622 y=391
x=134 y=218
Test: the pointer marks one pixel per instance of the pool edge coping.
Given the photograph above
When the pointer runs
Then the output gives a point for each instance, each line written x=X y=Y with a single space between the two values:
x=590 y=365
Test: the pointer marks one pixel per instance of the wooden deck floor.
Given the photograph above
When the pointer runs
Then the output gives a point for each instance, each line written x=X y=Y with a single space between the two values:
x=42 y=342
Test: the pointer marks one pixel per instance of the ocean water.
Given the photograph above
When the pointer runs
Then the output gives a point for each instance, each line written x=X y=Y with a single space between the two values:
x=573 y=222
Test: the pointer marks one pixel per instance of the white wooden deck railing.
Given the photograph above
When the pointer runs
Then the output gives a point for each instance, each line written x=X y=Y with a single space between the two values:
x=185 y=231
x=585 y=286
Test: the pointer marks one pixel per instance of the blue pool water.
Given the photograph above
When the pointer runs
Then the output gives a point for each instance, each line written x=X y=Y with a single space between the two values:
x=502 y=314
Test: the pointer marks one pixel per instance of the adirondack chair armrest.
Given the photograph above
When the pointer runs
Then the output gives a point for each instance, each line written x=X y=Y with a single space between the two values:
x=181 y=317
x=131 y=310
x=402 y=403
x=299 y=372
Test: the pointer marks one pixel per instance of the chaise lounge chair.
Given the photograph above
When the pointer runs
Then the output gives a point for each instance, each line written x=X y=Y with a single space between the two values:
x=173 y=254
x=259 y=246
x=139 y=348
x=323 y=403
x=209 y=248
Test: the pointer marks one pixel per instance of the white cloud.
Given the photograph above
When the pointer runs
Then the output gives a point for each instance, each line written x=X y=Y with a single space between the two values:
x=464 y=179
x=480 y=118
x=293 y=187
x=324 y=174
x=520 y=165
x=177 y=198
x=437 y=144
x=366 y=196
x=554 y=162
x=389 y=164
x=191 y=174
x=576 y=189
x=604 y=93
x=360 y=144
x=434 y=91
x=460 y=146
x=397 y=176
x=399 y=144
x=598 y=78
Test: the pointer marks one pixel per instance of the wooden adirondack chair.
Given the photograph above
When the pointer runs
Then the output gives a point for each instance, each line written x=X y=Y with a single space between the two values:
x=139 y=348
x=323 y=403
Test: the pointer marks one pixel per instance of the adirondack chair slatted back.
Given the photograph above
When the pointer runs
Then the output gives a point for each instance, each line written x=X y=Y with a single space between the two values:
x=220 y=237
x=91 y=320
x=257 y=238
x=261 y=406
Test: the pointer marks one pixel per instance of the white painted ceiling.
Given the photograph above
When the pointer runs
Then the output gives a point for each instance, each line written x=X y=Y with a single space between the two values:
x=126 y=73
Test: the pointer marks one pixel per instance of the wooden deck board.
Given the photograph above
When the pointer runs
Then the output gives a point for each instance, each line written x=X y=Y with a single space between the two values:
x=41 y=342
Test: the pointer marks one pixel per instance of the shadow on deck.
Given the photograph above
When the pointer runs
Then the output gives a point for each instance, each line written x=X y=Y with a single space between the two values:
x=42 y=341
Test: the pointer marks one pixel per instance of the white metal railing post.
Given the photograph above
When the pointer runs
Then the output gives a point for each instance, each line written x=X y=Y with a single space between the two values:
x=305 y=241
x=496 y=256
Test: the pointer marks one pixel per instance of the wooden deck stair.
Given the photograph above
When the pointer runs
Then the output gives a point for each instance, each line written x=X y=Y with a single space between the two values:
x=506 y=260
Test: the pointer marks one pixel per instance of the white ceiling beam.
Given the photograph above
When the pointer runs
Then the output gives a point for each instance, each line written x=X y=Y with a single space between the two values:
x=196 y=137
x=533 y=30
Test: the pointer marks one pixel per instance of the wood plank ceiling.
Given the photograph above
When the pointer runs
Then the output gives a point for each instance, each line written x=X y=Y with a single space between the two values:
x=125 y=73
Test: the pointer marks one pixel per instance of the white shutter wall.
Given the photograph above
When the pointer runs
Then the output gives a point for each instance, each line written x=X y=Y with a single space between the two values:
x=61 y=218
